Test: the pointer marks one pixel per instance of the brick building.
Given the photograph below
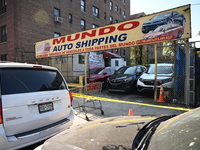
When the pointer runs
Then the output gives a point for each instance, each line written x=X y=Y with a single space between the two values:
x=24 y=22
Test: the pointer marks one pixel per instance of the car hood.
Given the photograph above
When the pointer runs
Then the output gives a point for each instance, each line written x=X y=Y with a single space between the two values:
x=102 y=133
x=152 y=76
x=180 y=133
x=120 y=76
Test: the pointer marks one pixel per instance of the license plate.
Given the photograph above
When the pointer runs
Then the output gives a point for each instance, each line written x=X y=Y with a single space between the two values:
x=45 y=107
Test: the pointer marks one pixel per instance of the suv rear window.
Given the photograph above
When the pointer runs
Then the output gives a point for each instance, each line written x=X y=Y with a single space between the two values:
x=14 y=81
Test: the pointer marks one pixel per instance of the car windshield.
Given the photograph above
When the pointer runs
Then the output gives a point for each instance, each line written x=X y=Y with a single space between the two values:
x=161 y=16
x=180 y=133
x=161 y=69
x=126 y=70
x=96 y=70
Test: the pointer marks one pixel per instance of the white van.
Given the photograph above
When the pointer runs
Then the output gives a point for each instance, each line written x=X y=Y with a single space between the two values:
x=35 y=104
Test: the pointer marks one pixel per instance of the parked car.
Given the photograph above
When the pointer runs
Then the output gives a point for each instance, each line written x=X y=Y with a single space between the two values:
x=35 y=104
x=164 y=77
x=162 y=19
x=100 y=74
x=125 y=79
x=180 y=132
x=170 y=29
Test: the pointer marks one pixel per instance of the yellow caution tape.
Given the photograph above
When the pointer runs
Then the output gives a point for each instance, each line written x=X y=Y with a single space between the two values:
x=120 y=101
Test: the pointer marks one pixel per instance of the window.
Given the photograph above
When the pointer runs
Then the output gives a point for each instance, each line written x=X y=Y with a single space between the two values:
x=112 y=70
x=57 y=34
x=105 y=15
x=80 y=59
x=116 y=63
x=124 y=52
x=70 y=18
x=3 y=34
x=26 y=80
x=95 y=11
x=123 y=14
x=116 y=21
x=123 y=1
x=116 y=8
x=2 y=6
x=82 y=24
x=4 y=57
x=139 y=70
x=107 y=70
x=104 y=1
x=82 y=5
x=95 y=26
x=56 y=12
x=57 y=60
x=111 y=5
x=116 y=51
x=111 y=19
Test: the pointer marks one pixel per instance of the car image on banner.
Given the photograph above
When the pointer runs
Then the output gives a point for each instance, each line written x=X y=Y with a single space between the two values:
x=162 y=19
x=170 y=29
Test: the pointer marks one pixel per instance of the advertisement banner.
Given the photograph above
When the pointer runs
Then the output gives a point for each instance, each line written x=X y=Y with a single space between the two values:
x=167 y=25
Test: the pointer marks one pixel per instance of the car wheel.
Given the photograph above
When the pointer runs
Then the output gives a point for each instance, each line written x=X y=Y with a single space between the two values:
x=183 y=23
x=179 y=34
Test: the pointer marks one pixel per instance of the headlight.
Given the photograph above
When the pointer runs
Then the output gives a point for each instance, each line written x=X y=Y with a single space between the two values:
x=141 y=79
x=128 y=79
x=166 y=80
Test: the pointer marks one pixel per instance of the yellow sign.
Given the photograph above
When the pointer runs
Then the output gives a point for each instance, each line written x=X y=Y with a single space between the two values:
x=168 y=25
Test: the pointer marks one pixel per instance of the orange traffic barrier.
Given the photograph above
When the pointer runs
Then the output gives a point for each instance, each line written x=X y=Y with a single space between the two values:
x=161 y=96
x=130 y=112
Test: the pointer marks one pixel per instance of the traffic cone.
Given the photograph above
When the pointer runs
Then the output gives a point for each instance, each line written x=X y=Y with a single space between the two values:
x=161 y=96
x=130 y=112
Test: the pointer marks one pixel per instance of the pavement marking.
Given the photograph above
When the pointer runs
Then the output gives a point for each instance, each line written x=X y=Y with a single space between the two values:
x=113 y=122
x=135 y=103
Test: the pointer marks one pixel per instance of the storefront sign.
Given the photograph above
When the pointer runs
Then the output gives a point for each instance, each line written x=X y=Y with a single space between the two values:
x=168 y=25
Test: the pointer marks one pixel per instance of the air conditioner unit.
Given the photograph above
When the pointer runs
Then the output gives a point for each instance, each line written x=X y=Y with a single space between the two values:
x=58 y=19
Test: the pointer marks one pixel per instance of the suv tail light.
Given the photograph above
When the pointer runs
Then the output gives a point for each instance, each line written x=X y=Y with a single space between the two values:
x=71 y=97
x=1 y=112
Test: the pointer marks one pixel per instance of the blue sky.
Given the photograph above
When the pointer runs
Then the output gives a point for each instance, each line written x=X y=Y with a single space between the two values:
x=153 y=6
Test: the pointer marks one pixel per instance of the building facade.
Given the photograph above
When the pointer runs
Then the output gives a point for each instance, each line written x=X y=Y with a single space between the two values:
x=25 y=22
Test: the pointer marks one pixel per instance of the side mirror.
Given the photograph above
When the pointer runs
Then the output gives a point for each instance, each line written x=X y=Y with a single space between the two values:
x=138 y=73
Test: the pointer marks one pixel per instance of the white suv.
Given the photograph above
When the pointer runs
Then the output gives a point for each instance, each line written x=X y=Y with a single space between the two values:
x=35 y=104
x=164 y=77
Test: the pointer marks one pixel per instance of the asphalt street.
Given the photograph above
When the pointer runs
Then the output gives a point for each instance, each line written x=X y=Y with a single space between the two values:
x=119 y=104
x=115 y=107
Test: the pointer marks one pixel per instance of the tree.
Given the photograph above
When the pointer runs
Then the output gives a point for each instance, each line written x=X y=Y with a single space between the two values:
x=168 y=49
x=138 y=55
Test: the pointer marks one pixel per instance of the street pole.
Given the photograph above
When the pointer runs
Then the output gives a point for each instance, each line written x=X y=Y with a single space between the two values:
x=85 y=67
x=155 y=71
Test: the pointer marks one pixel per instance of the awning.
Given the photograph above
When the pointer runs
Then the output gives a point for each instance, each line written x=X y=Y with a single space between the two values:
x=110 y=55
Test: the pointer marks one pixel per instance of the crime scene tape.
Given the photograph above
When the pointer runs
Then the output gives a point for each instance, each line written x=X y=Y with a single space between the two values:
x=128 y=102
